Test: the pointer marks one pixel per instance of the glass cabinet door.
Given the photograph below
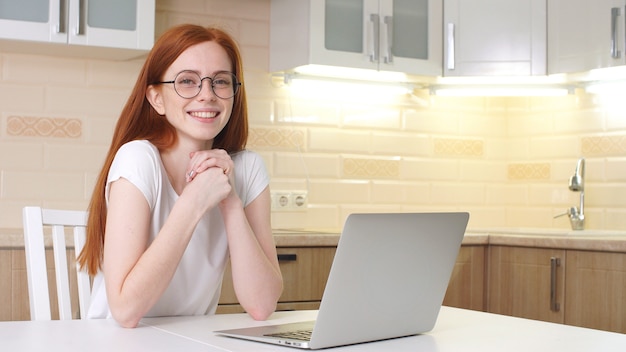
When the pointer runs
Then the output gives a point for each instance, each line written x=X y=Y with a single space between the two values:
x=25 y=10
x=38 y=20
x=112 y=23
x=342 y=33
x=343 y=25
x=408 y=29
x=386 y=35
x=112 y=14
x=410 y=36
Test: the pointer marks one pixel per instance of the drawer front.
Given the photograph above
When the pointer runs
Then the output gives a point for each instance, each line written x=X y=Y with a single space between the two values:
x=304 y=269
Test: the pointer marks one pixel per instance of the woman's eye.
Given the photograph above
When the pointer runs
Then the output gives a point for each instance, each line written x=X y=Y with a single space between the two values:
x=221 y=82
x=187 y=82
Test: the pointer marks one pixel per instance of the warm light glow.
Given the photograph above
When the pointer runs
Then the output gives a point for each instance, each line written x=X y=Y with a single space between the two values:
x=607 y=88
x=350 y=73
x=345 y=90
x=500 y=91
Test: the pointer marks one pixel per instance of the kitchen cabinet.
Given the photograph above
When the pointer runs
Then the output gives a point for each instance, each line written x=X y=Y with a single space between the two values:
x=585 y=35
x=383 y=35
x=595 y=289
x=14 y=303
x=119 y=24
x=584 y=288
x=527 y=282
x=467 y=283
x=305 y=272
x=495 y=37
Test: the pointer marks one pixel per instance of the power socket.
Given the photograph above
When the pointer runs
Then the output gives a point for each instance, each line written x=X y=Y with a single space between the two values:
x=289 y=200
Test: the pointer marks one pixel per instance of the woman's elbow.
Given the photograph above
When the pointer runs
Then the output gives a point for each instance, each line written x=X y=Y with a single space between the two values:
x=126 y=322
x=124 y=318
x=261 y=313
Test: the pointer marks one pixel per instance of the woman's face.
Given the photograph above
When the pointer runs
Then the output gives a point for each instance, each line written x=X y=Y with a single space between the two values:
x=198 y=119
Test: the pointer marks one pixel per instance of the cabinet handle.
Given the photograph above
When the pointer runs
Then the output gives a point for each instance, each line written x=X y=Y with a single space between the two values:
x=79 y=30
x=375 y=37
x=389 y=37
x=58 y=27
x=287 y=257
x=554 y=263
x=615 y=12
x=450 y=42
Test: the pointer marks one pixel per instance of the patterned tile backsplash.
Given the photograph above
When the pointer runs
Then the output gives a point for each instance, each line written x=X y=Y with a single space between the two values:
x=610 y=145
x=529 y=171
x=458 y=147
x=29 y=126
x=371 y=168
x=505 y=160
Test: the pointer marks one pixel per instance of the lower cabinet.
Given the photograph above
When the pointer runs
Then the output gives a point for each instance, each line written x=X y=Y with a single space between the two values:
x=467 y=283
x=595 y=290
x=305 y=271
x=582 y=288
x=526 y=282
x=574 y=287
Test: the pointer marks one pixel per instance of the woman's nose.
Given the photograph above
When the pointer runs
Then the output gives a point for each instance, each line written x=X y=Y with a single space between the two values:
x=206 y=93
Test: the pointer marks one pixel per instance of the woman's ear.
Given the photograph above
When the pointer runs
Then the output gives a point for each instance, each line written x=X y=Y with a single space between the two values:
x=155 y=99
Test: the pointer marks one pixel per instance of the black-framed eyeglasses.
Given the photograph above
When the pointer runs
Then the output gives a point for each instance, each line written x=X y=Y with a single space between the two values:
x=188 y=84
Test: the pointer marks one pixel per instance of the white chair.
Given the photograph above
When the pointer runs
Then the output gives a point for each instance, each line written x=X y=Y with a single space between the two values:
x=35 y=218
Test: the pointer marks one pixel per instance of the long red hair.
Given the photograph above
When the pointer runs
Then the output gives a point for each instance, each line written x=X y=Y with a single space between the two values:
x=138 y=120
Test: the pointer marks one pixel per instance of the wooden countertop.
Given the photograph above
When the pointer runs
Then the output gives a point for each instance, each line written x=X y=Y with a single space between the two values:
x=597 y=240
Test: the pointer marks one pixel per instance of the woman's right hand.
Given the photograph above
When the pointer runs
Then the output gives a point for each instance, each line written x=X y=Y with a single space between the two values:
x=208 y=188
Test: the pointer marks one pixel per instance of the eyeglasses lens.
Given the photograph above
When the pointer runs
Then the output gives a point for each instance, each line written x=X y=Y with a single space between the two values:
x=188 y=84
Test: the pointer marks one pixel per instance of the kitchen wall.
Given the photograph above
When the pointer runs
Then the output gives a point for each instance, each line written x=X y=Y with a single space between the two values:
x=352 y=148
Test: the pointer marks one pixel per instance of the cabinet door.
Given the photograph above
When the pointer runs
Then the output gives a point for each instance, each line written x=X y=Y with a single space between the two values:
x=523 y=282
x=410 y=36
x=495 y=37
x=344 y=33
x=595 y=290
x=585 y=35
x=38 y=20
x=466 y=287
x=112 y=23
x=305 y=272
x=387 y=35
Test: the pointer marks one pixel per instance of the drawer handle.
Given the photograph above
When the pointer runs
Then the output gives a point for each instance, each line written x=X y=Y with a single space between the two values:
x=287 y=257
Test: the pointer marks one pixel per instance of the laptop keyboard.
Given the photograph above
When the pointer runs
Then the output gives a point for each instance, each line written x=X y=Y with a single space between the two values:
x=302 y=335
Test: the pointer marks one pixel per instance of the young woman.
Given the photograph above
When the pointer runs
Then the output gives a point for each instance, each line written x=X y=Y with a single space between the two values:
x=178 y=195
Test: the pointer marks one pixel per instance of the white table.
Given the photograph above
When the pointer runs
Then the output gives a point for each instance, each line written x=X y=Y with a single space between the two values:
x=456 y=330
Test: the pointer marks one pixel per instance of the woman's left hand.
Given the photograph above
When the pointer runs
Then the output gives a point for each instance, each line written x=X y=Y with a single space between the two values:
x=204 y=159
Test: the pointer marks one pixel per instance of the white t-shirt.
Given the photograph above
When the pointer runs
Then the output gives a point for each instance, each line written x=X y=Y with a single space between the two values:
x=196 y=285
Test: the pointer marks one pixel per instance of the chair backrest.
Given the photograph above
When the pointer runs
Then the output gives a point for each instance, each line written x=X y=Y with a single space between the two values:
x=35 y=219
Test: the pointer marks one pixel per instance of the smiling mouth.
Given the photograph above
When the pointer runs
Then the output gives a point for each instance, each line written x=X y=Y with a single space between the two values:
x=203 y=114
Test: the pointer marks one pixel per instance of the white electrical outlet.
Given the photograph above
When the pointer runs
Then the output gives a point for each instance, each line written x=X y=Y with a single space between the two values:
x=289 y=200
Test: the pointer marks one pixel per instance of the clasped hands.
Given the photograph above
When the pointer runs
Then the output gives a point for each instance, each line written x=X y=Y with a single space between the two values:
x=203 y=160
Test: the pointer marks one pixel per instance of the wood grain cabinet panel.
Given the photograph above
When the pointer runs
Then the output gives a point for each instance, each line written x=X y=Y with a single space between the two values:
x=305 y=271
x=595 y=289
x=467 y=283
x=520 y=281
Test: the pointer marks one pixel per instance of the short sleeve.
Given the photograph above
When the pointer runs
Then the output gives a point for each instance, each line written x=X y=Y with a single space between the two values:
x=139 y=163
x=251 y=175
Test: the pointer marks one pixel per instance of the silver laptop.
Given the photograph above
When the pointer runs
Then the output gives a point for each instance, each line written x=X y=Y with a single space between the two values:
x=388 y=279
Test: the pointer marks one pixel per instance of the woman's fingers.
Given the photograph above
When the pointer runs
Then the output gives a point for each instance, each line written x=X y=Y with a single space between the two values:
x=203 y=160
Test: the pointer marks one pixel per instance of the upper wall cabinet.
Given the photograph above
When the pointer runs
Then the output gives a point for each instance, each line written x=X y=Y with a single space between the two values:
x=585 y=35
x=495 y=37
x=384 y=35
x=120 y=24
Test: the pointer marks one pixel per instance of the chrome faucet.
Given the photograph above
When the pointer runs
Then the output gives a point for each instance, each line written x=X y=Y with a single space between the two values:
x=577 y=184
